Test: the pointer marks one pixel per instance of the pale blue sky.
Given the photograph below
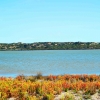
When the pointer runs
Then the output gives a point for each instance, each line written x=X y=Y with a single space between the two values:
x=49 y=21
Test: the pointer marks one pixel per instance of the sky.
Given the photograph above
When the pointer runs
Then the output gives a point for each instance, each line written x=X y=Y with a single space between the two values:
x=31 y=21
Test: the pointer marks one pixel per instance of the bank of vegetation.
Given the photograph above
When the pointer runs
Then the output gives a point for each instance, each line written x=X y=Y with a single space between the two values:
x=50 y=46
x=50 y=87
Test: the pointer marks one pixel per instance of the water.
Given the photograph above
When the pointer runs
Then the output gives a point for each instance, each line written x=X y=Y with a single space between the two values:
x=48 y=62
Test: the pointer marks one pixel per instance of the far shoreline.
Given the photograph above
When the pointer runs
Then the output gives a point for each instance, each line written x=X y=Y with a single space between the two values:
x=52 y=50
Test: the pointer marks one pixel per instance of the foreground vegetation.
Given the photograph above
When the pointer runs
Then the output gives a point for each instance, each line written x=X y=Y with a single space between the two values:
x=47 y=87
x=50 y=46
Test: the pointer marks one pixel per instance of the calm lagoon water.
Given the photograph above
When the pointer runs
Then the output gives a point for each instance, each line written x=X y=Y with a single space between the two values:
x=48 y=62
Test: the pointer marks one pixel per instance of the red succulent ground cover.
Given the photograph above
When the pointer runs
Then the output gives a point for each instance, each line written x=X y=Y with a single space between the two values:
x=46 y=87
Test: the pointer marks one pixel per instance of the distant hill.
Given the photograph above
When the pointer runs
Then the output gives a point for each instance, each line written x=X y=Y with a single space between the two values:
x=50 y=46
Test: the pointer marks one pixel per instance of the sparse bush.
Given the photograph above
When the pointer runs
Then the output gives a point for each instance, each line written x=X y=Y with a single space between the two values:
x=39 y=75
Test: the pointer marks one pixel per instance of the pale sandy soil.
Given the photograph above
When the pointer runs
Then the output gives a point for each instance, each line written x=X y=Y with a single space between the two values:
x=77 y=96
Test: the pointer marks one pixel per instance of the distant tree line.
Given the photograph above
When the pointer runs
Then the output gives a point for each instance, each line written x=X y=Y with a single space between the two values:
x=50 y=46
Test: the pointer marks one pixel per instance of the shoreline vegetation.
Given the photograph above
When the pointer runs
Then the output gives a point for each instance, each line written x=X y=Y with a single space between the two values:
x=52 y=87
x=49 y=46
